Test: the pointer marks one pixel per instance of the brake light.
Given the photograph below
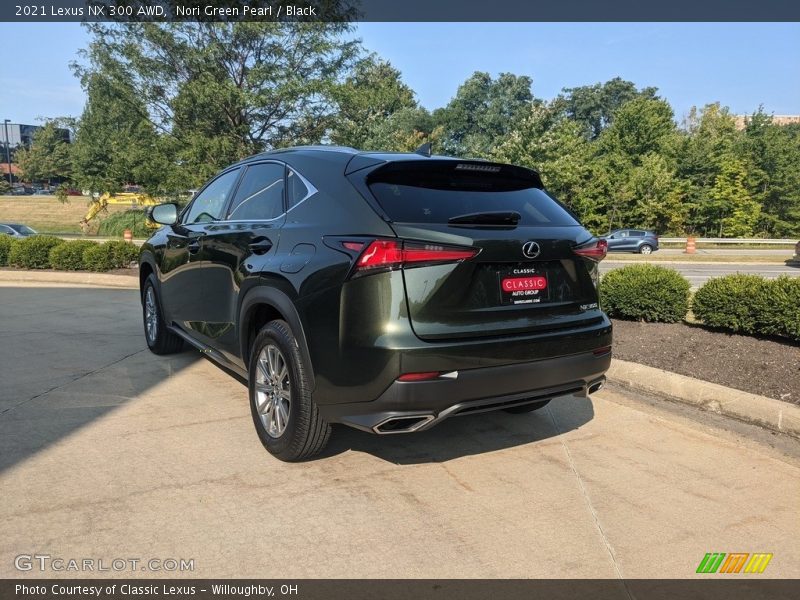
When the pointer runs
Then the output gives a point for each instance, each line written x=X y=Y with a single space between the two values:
x=426 y=376
x=595 y=250
x=392 y=254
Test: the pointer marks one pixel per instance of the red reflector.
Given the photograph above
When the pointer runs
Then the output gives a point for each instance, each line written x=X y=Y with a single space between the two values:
x=396 y=253
x=596 y=250
x=601 y=350
x=356 y=246
x=419 y=376
x=514 y=284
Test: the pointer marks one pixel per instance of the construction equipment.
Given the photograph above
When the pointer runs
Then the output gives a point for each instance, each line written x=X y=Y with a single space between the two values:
x=131 y=199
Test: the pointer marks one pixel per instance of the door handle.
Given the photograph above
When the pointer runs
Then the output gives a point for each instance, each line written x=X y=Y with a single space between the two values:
x=193 y=247
x=261 y=246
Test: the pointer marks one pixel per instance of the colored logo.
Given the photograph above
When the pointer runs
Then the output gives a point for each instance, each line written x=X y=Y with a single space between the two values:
x=734 y=562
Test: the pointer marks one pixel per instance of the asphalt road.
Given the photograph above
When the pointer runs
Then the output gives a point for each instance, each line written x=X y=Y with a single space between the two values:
x=108 y=451
x=699 y=273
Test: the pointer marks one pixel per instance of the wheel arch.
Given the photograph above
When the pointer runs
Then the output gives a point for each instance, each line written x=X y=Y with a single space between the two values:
x=262 y=305
x=147 y=267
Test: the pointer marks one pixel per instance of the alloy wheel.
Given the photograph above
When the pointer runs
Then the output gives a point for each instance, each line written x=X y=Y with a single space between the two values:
x=273 y=395
x=150 y=314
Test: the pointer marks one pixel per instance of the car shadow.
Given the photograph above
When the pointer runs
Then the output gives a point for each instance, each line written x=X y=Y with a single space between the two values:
x=71 y=356
x=466 y=435
x=68 y=357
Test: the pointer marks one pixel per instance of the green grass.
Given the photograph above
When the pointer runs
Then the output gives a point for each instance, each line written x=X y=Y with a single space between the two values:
x=47 y=215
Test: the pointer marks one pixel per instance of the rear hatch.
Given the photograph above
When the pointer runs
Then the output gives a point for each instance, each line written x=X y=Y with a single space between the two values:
x=525 y=276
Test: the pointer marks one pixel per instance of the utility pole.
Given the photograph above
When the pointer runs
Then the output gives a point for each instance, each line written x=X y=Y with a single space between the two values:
x=8 y=149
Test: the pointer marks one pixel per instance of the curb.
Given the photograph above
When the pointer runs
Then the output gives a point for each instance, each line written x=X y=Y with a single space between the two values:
x=73 y=278
x=774 y=415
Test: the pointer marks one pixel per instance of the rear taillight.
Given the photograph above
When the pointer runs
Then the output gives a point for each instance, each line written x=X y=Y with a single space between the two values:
x=594 y=250
x=385 y=255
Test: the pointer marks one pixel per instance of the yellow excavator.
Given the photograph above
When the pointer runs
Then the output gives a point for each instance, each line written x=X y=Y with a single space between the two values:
x=132 y=199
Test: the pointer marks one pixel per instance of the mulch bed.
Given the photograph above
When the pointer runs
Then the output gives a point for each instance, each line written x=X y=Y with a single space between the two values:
x=767 y=367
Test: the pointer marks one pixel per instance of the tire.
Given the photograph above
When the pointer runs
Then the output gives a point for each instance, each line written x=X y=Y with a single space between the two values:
x=285 y=417
x=160 y=340
x=526 y=408
x=645 y=249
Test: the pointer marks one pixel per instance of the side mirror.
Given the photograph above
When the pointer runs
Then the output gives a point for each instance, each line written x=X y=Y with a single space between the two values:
x=165 y=214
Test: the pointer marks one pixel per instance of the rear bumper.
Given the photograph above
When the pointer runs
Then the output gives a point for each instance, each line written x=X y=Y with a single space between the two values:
x=474 y=390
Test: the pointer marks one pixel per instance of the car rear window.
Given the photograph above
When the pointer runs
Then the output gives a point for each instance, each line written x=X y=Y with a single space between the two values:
x=439 y=192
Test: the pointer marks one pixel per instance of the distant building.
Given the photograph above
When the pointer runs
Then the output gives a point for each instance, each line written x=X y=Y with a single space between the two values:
x=741 y=120
x=18 y=135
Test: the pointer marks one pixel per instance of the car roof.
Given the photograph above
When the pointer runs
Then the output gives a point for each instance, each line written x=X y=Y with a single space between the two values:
x=12 y=224
x=346 y=154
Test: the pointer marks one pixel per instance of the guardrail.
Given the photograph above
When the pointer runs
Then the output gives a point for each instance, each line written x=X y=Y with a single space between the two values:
x=682 y=240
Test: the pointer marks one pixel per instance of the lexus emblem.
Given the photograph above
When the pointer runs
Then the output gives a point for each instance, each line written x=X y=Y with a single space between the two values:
x=531 y=249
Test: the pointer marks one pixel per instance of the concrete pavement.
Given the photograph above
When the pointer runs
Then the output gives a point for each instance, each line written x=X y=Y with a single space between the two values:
x=108 y=451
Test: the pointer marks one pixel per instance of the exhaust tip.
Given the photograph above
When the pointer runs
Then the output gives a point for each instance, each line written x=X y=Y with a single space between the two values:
x=596 y=386
x=404 y=424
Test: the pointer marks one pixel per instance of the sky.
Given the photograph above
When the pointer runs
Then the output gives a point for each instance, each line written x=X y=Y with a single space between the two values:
x=740 y=65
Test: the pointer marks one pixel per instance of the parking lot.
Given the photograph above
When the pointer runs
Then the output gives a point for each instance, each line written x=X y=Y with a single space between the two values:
x=107 y=451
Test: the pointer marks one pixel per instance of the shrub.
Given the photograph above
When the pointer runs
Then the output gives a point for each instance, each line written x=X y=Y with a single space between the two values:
x=123 y=253
x=116 y=224
x=6 y=242
x=69 y=256
x=782 y=316
x=645 y=292
x=98 y=258
x=750 y=304
x=33 y=252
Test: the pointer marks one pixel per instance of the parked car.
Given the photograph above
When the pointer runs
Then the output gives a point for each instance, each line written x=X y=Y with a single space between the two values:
x=385 y=291
x=632 y=240
x=16 y=230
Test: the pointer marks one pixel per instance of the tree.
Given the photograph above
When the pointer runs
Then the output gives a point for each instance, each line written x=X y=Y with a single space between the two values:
x=226 y=90
x=482 y=112
x=554 y=146
x=658 y=196
x=115 y=142
x=641 y=126
x=593 y=106
x=48 y=158
x=730 y=203
x=772 y=156
x=709 y=139
x=369 y=96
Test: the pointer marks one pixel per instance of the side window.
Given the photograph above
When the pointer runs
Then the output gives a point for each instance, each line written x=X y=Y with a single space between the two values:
x=6 y=230
x=637 y=234
x=260 y=195
x=296 y=189
x=623 y=234
x=209 y=204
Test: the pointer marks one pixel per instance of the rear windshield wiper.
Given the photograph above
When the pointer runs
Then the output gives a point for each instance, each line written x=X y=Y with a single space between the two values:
x=487 y=218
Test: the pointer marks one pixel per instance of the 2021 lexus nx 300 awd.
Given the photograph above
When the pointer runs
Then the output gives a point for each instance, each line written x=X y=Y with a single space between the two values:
x=385 y=291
